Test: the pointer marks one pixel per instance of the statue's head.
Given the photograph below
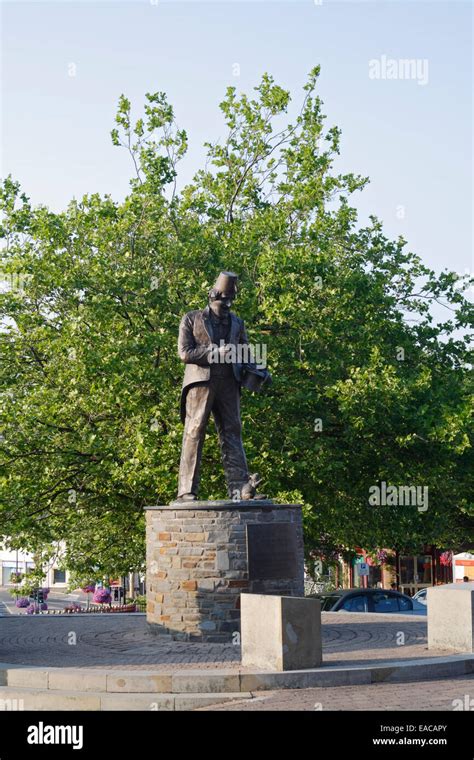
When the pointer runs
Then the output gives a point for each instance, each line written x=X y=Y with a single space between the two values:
x=223 y=293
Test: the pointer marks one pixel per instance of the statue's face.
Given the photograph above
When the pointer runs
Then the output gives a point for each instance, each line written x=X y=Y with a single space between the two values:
x=221 y=304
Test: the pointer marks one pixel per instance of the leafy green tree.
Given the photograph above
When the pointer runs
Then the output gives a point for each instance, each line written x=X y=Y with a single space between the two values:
x=367 y=386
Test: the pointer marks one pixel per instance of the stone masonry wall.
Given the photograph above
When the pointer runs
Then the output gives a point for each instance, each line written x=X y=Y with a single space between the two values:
x=197 y=567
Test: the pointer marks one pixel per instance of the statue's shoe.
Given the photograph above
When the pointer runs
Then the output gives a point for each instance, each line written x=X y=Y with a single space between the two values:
x=187 y=497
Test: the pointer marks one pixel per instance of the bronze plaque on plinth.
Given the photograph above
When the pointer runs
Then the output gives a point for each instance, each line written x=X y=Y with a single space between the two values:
x=271 y=551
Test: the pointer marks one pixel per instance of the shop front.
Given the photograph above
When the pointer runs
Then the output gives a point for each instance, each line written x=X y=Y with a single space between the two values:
x=415 y=572
x=432 y=567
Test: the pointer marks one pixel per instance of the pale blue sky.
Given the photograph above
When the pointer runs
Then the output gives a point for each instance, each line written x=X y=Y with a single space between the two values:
x=412 y=140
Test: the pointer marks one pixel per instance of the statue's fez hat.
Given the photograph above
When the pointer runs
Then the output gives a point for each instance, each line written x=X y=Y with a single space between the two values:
x=227 y=283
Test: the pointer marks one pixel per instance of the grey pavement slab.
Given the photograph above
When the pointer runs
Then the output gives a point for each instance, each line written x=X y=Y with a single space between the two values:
x=349 y=639
x=455 y=694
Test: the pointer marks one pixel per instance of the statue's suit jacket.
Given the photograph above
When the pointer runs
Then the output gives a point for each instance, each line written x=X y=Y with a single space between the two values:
x=194 y=346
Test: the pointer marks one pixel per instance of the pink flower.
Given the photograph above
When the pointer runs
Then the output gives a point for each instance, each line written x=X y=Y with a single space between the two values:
x=102 y=596
x=446 y=558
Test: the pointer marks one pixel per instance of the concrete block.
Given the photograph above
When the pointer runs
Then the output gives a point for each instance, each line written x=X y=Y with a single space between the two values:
x=139 y=683
x=280 y=632
x=75 y=680
x=199 y=681
x=304 y=679
x=451 y=617
x=195 y=701
x=422 y=669
x=143 y=702
x=34 y=678
x=41 y=699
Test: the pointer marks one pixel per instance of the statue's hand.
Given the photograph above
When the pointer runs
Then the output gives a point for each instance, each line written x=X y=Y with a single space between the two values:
x=224 y=350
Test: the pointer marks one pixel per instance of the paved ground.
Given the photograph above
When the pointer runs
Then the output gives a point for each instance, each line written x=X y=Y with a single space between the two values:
x=116 y=641
x=445 y=694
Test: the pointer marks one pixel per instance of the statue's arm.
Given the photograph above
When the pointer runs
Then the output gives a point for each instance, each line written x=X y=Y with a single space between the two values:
x=188 y=351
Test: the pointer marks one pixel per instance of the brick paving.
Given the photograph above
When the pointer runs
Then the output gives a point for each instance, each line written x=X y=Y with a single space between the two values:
x=106 y=641
x=424 y=695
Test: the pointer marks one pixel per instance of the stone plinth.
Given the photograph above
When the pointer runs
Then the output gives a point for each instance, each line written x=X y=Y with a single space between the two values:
x=201 y=556
x=451 y=617
x=280 y=632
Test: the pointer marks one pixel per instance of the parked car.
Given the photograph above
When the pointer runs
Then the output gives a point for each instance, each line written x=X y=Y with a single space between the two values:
x=421 y=596
x=370 y=600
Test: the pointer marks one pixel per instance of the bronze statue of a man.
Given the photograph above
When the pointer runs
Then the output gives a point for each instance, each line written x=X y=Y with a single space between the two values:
x=210 y=343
